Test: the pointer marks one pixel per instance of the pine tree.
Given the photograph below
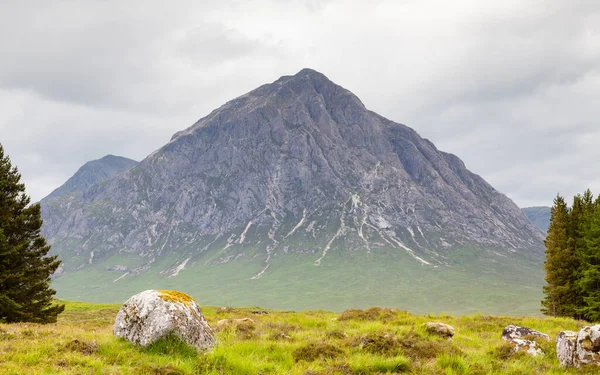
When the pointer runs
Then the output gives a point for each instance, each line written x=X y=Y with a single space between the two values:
x=589 y=281
x=557 y=290
x=25 y=266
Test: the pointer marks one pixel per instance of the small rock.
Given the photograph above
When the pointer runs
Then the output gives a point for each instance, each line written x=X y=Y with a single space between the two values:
x=442 y=329
x=530 y=347
x=512 y=332
x=118 y=268
x=221 y=324
x=154 y=314
x=566 y=341
x=587 y=350
x=260 y=312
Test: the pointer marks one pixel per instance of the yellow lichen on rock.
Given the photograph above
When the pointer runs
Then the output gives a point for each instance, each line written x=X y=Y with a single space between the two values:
x=175 y=296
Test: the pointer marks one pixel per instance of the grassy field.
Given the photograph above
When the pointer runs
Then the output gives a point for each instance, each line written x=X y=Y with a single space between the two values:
x=374 y=341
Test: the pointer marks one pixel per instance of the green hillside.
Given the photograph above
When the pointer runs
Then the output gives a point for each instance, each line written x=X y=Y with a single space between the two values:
x=472 y=282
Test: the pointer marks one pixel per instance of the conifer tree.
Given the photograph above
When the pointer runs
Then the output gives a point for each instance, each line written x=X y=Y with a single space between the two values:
x=556 y=300
x=589 y=280
x=25 y=267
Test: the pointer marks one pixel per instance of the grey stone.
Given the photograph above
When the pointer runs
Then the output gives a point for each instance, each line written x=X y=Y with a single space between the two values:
x=566 y=342
x=528 y=346
x=587 y=350
x=154 y=314
x=512 y=332
x=441 y=329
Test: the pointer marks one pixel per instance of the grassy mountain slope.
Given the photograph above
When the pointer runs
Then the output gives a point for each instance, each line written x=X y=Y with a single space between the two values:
x=471 y=283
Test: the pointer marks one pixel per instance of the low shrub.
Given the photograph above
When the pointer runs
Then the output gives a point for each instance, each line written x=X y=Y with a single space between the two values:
x=313 y=351
x=377 y=343
x=84 y=347
x=374 y=313
x=419 y=347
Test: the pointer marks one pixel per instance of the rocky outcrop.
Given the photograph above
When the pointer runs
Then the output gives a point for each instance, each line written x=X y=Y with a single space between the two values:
x=441 y=329
x=155 y=314
x=579 y=348
x=513 y=332
x=522 y=339
x=587 y=350
x=566 y=342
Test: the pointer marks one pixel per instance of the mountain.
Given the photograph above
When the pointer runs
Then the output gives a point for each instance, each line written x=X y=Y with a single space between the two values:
x=295 y=195
x=539 y=216
x=91 y=173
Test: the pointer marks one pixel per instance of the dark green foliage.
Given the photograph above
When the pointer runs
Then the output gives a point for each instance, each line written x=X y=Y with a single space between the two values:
x=573 y=259
x=558 y=260
x=589 y=281
x=25 y=268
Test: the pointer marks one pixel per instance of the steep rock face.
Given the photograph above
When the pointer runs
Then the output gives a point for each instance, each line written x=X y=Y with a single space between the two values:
x=300 y=166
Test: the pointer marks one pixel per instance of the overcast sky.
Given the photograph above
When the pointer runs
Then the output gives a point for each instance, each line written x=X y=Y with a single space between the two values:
x=512 y=87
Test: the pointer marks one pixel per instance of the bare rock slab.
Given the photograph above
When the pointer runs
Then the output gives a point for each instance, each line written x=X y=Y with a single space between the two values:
x=566 y=342
x=442 y=329
x=154 y=314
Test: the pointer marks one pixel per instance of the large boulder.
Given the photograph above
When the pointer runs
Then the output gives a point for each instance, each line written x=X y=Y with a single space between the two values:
x=566 y=341
x=154 y=314
x=587 y=350
x=441 y=329
x=512 y=332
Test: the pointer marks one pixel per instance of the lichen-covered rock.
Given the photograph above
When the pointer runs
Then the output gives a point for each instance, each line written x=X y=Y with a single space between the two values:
x=528 y=346
x=566 y=342
x=442 y=329
x=587 y=350
x=153 y=314
x=512 y=332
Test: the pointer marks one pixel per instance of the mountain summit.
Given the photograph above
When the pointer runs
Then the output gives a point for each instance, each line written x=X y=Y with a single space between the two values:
x=294 y=171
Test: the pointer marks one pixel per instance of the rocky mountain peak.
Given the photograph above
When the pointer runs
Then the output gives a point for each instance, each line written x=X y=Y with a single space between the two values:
x=298 y=166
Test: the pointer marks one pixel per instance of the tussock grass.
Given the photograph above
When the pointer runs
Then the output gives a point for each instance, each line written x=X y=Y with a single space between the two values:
x=372 y=341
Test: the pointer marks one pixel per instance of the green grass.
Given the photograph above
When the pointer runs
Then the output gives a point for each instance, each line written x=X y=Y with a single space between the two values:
x=376 y=341
x=473 y=282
